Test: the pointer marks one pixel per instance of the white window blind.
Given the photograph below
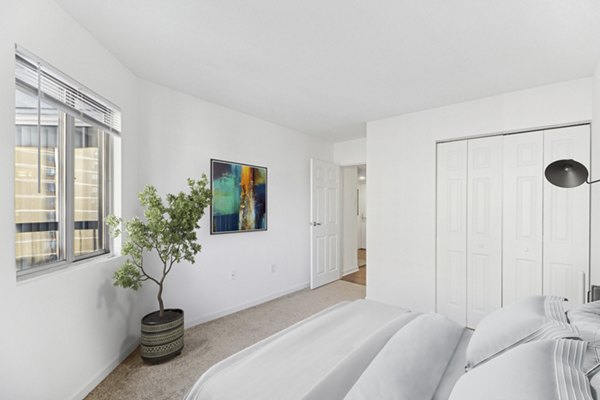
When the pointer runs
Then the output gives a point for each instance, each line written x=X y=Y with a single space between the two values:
x=53 y=87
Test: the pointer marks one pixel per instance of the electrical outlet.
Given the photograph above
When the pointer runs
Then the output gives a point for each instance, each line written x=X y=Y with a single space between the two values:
x=273 y=268
x=233 y=275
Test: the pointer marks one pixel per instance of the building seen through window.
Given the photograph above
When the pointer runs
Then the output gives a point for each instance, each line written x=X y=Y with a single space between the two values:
x=62 y=173
x=36 y=207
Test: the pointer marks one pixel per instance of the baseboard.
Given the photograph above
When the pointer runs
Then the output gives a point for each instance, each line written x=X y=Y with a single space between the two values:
x=351 y=271
x=230 y=310
x=88 y=387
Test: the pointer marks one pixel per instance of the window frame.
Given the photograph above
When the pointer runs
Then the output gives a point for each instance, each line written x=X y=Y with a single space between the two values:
x=105 y=204
x=65 y=192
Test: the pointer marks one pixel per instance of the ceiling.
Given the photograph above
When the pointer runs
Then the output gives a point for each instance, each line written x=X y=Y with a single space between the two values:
x=325 y=67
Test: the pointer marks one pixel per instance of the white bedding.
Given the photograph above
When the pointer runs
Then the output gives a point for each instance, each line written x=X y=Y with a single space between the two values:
x=323 y=357
x=412 y=363
x=456 y=367
x=548 y=369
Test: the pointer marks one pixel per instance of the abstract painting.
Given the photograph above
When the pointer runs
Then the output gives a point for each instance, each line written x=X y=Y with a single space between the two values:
x=239 y=197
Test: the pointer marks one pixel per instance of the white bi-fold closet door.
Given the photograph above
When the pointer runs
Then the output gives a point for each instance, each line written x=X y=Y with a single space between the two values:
x=567 y=219
x=452 y=230
x=522 y=246
x=503 y=231
x=484 y=227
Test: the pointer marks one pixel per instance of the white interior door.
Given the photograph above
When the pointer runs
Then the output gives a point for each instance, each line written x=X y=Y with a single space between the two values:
x=325 y=223
x=522 y=216
x=451 y=273
x=484 y=228
x=566 y=218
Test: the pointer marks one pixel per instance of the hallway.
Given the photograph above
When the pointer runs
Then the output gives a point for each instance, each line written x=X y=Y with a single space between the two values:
x=360 y=276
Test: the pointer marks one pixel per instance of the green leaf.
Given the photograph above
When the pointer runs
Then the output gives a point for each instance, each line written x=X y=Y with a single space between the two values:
x=128 y=276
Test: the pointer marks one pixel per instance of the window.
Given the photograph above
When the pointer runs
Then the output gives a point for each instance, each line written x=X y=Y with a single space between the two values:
x=63 y=134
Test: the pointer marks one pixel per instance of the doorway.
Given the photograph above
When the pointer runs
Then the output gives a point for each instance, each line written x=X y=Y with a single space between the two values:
x=354 y=223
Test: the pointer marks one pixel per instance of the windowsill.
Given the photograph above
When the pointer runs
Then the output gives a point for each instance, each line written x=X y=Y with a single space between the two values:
x=63 y=268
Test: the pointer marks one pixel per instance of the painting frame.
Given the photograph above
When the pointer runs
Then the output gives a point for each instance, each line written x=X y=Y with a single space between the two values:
x=260 y=198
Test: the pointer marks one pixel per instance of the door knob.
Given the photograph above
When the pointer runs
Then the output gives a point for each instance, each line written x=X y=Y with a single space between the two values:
x=315 y=223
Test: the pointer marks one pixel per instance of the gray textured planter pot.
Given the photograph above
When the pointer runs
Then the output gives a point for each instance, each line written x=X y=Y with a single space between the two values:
x=162 y=338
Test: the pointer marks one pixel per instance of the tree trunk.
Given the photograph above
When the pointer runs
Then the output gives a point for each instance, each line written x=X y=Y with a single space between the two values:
x=161 y=306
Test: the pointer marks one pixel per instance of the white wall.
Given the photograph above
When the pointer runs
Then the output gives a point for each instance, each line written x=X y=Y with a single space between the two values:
x=62 y=332
x=350 y=152
x=181 y=135
x=349 y=220
x=401 y=190
x=362 y=215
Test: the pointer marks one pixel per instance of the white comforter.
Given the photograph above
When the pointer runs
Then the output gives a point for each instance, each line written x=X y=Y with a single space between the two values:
x=322 y=357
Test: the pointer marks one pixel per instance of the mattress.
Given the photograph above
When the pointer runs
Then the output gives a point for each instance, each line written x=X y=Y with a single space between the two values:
x=324 y=356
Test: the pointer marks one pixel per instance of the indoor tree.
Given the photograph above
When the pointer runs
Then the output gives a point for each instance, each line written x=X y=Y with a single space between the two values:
x=169 y=230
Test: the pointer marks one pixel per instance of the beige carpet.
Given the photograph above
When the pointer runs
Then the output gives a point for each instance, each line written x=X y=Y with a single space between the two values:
x=213 y=341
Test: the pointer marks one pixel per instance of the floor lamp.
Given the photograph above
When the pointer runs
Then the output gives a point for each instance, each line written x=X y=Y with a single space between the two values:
x=570 y=174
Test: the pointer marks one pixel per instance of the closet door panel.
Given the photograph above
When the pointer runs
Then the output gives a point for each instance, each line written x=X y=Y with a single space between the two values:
x=522 y=216
x=484 y=228
x=566 y=219
x=451 y=230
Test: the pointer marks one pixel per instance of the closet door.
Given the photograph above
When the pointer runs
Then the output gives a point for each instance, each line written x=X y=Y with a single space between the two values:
x=522 y=216
x=484 y=228
x=451 y=230
x=566 y=219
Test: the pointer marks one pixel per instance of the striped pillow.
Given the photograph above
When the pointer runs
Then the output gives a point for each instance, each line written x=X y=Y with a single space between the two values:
x=534 y=318
x=542 y=370
x=586 y=318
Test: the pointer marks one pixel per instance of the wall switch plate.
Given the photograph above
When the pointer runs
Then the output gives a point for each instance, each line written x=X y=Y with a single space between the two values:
x=233 y=275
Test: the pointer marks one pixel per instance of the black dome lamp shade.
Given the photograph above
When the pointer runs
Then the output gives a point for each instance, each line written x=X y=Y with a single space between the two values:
x=567 y=173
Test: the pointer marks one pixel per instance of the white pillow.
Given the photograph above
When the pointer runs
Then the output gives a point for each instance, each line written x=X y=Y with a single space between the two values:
x=542 y=370
x=586 y=318
x=412 y=363
x=534 y=318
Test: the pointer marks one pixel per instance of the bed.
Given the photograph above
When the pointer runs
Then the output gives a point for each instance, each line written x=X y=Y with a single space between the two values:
x=366 y=350
x=344 y=339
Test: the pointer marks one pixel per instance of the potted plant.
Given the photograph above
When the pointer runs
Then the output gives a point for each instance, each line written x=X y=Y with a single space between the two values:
x=170 y=231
